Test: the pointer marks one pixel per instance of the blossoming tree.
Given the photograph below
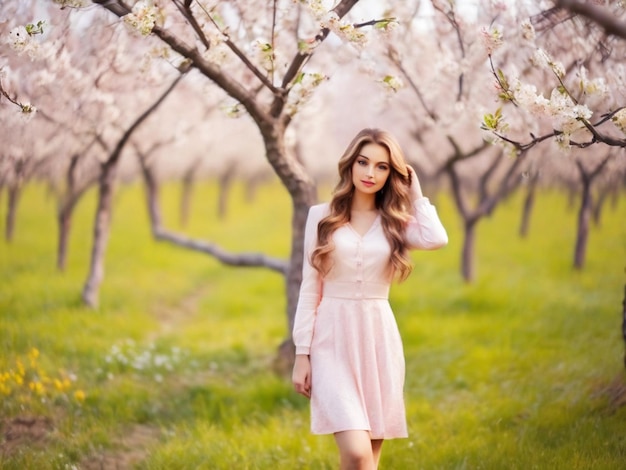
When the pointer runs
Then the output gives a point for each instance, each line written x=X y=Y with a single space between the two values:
x=262 y=56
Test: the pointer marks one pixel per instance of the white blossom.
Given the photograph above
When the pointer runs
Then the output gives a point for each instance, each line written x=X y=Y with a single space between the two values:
x=596 y=86
x=144 y=17
x=264 y=53
x=492 y=39
x=527 y=97
x=302 y=90
x=392 y=83
x=23 y=43
x=217 y=52
x=343 y=29
x=527 y=30
x=71 y=3
x=27 y=111
x=619 y=119
x=567 y=115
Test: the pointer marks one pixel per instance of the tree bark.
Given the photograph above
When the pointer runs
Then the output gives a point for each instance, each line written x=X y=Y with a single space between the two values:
x=14 y=192
x=582 y=232
x=585 y=211
x=64 y=219
x=152 y=196
x=185 y=196
x=467 y=256
x=100 y=235
x=105 y=197
x=529 y=203
x=225 y=185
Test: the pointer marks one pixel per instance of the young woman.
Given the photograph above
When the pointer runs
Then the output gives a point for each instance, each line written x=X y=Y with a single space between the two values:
x=349 y=357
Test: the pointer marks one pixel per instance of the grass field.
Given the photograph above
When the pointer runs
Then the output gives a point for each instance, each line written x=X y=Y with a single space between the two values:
x=520 y=370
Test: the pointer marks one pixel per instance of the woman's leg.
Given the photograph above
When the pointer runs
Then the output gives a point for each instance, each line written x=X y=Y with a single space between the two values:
x=377 y=447
x=356 y=450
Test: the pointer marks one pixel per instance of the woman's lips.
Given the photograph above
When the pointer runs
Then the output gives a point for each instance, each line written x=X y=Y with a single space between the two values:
x=369 y=184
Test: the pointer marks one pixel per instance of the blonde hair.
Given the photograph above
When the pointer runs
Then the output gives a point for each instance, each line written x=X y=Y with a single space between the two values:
x=393 y=202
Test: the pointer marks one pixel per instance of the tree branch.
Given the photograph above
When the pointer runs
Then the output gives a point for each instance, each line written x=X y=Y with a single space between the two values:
x=233 y=47
x=232 y=87
x=225 y=257
x=185 y=10
x=600 y=16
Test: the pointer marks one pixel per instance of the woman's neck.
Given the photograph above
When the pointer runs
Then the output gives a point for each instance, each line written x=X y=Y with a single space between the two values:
x=363 y=202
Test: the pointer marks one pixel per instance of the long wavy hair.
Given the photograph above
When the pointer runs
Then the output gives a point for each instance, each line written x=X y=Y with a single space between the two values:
x=393 y=202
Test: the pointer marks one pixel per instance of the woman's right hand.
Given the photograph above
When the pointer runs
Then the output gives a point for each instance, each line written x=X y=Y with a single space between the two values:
x=415 y=187
x=301 y=376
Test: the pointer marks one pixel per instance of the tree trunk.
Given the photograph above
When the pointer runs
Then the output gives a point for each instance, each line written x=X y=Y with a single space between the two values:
x=105 y=202
x=14 y=192
x=582 y=232
x=529 y=202
x=152 y=197
x=185 y=197
x=599 y=205
x=64 y=219
x=102 y=227
x=467 y=256
x=302 y=190
x=225 y=184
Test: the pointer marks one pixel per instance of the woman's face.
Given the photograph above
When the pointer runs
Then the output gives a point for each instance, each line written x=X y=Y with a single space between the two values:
x=371 y=168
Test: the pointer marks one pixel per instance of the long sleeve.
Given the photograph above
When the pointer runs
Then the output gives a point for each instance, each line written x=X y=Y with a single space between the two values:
x=425 y=231
x=311 y=287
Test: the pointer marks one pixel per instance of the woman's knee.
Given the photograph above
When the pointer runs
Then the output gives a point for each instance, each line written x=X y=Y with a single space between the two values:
x=355 y=450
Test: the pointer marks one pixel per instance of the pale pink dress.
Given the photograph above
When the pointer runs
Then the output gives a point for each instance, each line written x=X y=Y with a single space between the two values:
x=346 y=325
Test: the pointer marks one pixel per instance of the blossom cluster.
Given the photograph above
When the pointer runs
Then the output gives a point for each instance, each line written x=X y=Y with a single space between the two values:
x=71 y=3
x=21 y=39
x=392 y=83
x=619 y=119
x=304 y=86
x=25 y=383
x=264 y=53
x=144 y=16
x=492 y=39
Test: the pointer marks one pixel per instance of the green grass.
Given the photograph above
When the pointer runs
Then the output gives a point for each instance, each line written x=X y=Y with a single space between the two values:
x=174 y=369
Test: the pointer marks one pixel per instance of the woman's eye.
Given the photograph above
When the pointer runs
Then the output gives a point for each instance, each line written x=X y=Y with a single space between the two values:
x=383 y=167
x=361 y=162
